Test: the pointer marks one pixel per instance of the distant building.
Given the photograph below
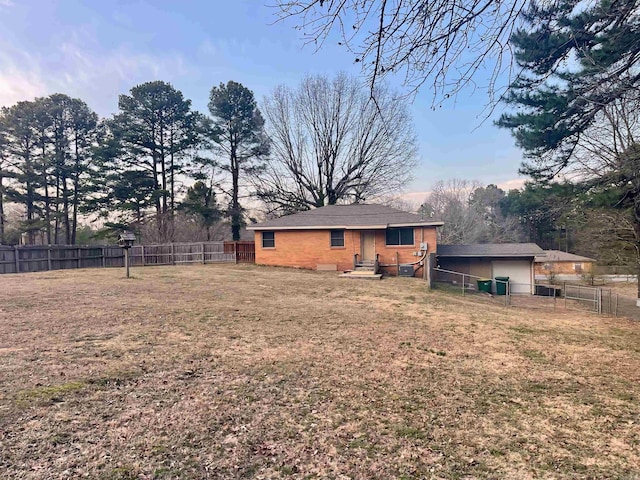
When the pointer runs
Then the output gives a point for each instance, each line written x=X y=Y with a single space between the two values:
x=557 y=262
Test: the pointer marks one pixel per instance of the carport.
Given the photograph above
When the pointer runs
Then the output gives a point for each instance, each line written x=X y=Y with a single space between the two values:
x=491 y=260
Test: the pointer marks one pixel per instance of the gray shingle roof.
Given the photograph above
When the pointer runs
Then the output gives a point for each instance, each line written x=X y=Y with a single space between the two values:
x=490 y=250
x=560 y=256
x=348 y=217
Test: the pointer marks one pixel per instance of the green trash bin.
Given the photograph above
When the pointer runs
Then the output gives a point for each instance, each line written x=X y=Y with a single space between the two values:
x=484 y=285
x=501 y=285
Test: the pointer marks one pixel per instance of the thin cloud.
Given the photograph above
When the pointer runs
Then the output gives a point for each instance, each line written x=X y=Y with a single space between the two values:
x=96 y=77
x=7 y=3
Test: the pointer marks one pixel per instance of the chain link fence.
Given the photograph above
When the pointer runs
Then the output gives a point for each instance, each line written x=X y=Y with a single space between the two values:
x=546 y=295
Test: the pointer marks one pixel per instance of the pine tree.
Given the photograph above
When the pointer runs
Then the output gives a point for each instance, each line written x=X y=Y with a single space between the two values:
x=240 y=136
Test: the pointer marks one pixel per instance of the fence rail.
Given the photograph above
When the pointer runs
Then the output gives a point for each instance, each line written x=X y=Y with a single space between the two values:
x=574 y=296
x=37 y=258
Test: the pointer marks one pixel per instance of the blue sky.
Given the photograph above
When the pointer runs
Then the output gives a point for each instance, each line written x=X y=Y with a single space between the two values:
x=96 y=50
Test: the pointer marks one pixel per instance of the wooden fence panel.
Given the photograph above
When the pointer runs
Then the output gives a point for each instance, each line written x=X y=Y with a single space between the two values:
x=216 y=253
x=244 y=252
x=7 y=260
x=113 y=256
x=35 y=258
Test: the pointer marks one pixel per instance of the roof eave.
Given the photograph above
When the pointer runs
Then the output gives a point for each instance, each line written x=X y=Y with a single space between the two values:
x=486 y=255
x=343 y=227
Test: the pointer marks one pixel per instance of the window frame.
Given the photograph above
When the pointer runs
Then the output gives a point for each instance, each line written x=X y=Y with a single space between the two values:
x=399 y=231
x=273 y=239
x=331 y=232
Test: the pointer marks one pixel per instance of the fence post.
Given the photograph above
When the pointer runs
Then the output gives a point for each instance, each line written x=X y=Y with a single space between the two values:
x=16 y=255
x=173 y=254
x=397 y=264
x=203 y=259
x=615 y=312
x=235 y=251
x=143 y=260
x=79 y=256
x=506 y=294
x=599 y=294
x=104 y=261
x=49 y=257
x=463 y=284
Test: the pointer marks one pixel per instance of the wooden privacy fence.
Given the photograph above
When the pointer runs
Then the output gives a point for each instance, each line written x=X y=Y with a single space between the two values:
x=36 y=258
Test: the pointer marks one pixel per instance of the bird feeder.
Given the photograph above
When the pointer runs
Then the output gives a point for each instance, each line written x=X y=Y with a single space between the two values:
x=126 y=240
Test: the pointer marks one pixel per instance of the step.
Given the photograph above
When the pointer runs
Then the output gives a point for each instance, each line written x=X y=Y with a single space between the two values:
x=362 y=276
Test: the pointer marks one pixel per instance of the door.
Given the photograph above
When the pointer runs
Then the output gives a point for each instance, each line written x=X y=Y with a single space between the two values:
x=368 y=246
x=518 y=271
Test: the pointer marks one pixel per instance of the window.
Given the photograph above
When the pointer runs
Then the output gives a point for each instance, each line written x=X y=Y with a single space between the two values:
x=400 y=236
x=337 y=238
x=577 y=267
x=268 y=239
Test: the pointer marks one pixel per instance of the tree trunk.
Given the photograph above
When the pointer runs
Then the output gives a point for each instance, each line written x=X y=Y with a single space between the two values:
x=47 y=200
x=30 y=196
x=67 y=221
x=76 y=187
x=56 y=229
x=172 y=185
x=1 y=208
x=236 y=220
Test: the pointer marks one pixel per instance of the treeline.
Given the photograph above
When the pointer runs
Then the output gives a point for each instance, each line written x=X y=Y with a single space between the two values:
x=569 y=216
x=157 y=166
x=60 y=161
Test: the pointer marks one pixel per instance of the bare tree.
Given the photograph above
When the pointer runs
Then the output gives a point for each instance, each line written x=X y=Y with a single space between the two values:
x=449 y=202
x=470 y=212
x=330 y=144
x=443 y=43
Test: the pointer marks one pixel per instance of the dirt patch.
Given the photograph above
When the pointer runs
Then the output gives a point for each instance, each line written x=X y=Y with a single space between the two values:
x=225 y=371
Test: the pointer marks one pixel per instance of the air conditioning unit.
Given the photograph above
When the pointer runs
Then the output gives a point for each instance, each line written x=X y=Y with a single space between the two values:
x=406 y=270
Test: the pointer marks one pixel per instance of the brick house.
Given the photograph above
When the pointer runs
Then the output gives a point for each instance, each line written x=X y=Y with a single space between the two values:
x=557 y=262
x=343 y=237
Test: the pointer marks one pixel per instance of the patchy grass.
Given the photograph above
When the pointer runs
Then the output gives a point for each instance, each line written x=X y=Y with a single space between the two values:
x=247 y=372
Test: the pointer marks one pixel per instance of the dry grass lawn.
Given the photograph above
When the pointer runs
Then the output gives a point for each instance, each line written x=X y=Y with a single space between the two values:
x=247 y=372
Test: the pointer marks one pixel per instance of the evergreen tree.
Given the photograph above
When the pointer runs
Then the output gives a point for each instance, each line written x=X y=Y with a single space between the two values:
x=200 y=202
x=4 y=173
x=240 y=138
x=157 y=131
x=576 y=61
x=577 y=97
x=21 y=137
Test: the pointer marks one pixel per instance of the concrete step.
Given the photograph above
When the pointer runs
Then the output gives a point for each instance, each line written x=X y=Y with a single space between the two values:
x=362 y=275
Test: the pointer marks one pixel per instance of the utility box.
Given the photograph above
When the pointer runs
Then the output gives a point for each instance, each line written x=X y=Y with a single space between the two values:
x=406 y=270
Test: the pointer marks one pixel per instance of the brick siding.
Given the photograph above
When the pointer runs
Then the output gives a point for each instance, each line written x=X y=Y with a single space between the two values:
x=308 y=248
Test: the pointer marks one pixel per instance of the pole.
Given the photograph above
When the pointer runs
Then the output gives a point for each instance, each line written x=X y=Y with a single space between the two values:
x=126 y=261
x=506 y=293
x=16 y=258
x=203 y=258
x=49 y=257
